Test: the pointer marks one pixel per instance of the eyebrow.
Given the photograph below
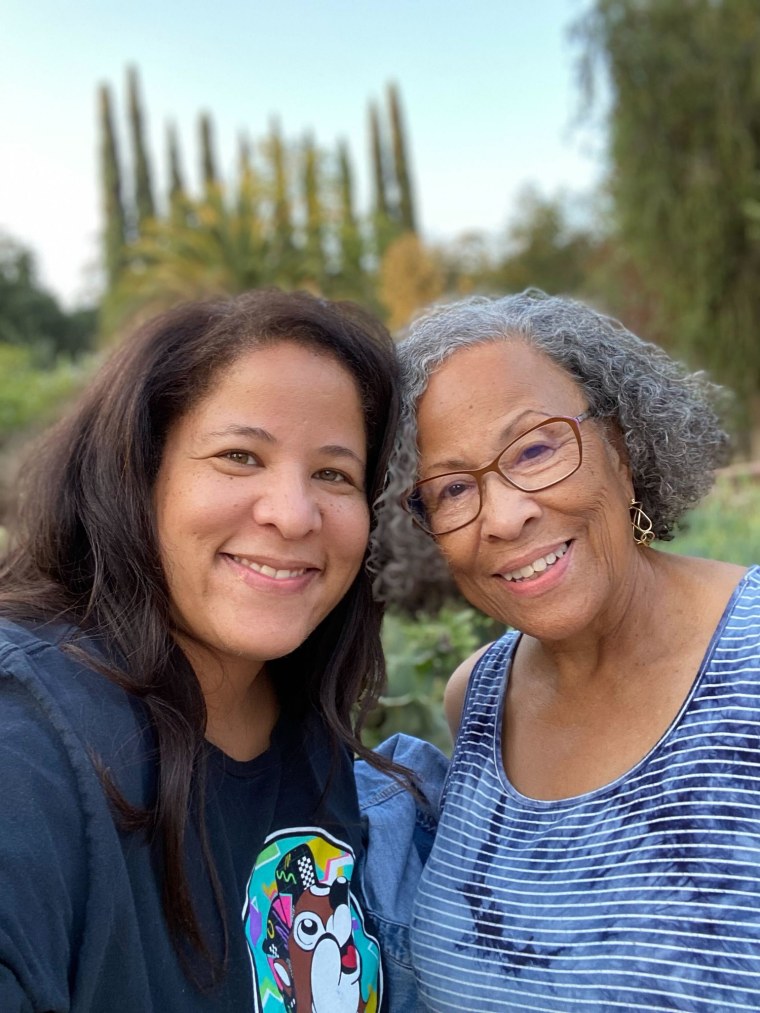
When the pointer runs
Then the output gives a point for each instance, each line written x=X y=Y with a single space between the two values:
x=457 y=464
x=257 y=433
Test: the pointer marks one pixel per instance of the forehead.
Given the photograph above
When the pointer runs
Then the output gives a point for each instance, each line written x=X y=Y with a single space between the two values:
x=280 y=387
x=495 y=380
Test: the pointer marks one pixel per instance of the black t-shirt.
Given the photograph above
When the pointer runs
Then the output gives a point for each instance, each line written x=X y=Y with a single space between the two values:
x=82 y=927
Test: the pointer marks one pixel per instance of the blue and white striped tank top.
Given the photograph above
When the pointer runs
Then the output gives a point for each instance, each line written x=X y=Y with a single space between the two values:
x=641 y=895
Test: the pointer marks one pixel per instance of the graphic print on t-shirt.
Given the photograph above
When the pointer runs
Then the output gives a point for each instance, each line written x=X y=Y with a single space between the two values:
x=309 y=949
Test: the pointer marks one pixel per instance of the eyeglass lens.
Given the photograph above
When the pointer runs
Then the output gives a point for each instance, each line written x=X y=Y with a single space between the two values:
x=536 y=460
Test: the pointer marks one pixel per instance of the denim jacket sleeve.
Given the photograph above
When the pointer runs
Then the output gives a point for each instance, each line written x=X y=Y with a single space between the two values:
x=399 y=831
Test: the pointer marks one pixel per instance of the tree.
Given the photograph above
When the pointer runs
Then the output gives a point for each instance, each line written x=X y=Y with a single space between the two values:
x=30 y=316
x=351 y=274
x=211 y=254
x=410 y=278
x=143 y=189
x=685 y=153
x=208 y=160
x=283 y=258
x=406 y=215
x=313 y=261
x=178 y=198
x=248 y=199
x=114 y=232
x=544 y=249
x=383 y=225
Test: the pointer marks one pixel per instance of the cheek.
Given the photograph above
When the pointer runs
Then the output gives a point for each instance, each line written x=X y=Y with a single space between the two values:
x=354 y=532
x=460 y=551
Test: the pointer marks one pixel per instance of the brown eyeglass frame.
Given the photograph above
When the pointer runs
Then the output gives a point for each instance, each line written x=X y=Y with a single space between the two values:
x=479 y=473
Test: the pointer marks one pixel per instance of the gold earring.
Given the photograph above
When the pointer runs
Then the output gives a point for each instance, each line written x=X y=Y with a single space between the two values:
x=643 y=532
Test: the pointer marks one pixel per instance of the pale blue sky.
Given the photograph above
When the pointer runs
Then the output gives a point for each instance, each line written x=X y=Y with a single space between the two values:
x=488 y=87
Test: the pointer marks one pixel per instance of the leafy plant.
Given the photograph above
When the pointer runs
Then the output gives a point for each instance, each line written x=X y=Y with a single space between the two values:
x=422 y=652
x=725 y=526
x=30 y=396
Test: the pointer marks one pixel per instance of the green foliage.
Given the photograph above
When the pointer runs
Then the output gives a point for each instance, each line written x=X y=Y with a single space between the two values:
x=313 y=262
x=350 y=276
x=421 y=653
x=114 y=224
x=143 y=187
x=403 y=182
x=30 y=316
x=176 y=180
x=545 y=249
x=287 y=220
x=208 y=158
x=30 y=396
x=685 y=147
x=725 y=526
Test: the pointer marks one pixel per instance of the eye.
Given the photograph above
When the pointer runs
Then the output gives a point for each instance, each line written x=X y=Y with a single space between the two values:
x=308 y=930
x=331 y=475
x=532 y=452
x=460 y=486
x=240 y=457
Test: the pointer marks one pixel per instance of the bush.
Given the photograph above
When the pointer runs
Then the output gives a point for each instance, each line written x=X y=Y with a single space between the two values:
x=725 y=526
x=30 y=396
x=422 y=652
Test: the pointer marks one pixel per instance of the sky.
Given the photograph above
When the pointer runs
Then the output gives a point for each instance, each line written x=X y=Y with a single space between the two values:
x=489 y=93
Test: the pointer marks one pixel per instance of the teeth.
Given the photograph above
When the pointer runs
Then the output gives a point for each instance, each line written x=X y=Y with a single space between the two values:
x=538 y=565
x=268 y=571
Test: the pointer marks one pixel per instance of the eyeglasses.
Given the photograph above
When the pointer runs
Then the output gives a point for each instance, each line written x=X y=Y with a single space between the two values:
x=541 y=457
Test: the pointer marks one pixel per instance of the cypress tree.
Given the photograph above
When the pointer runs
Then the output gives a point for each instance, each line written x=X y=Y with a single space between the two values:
x=143 y=190
x=314 y=254
x=351 y=247
x=208 y=161
x=282 y=247
x=382 y=217
x=251 y=241
x=176 y=181
x=114 y=233
x=379 y=172
x=246 y=200
x=178 y=199
x=404 y=188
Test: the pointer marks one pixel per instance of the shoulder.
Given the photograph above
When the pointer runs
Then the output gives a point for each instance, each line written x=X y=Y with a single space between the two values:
x=61 y=866
x=57 y=696
x=455 y=695
x=456 y=689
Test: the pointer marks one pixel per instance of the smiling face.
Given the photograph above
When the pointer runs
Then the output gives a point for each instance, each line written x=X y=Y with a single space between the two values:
x=260 y=506
x=550 y=563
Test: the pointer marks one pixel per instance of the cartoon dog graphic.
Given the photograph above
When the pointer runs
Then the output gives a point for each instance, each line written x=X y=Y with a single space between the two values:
x=311 y=947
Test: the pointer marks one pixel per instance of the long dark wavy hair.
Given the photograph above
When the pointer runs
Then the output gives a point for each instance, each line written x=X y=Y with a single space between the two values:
x=85 y=547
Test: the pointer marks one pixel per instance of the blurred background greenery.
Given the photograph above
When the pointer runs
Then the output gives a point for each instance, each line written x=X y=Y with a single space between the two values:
x=670 y=244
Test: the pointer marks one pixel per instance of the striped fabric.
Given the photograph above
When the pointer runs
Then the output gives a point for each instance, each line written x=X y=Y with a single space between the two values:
x=641 y=895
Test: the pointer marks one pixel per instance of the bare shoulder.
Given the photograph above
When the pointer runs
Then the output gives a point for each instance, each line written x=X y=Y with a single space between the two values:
x=456 y=688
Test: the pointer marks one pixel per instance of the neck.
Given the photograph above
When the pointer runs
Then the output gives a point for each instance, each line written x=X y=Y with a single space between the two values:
x=241 y=702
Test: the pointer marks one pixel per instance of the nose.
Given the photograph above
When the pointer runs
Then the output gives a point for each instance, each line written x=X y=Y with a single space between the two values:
x=506 y=510
x=288 y=504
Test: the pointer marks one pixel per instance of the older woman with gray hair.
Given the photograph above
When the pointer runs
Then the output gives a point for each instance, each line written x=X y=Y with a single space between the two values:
x=599 y=845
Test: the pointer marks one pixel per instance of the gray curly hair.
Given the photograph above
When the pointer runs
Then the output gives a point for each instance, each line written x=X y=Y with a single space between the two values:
x=668 y=417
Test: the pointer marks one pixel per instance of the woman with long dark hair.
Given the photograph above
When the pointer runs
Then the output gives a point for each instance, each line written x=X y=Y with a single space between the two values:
x=188 y=643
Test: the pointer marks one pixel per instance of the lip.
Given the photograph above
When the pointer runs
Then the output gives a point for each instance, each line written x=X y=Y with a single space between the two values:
x=303 y=571
x=531 y=555
x=540 y=582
